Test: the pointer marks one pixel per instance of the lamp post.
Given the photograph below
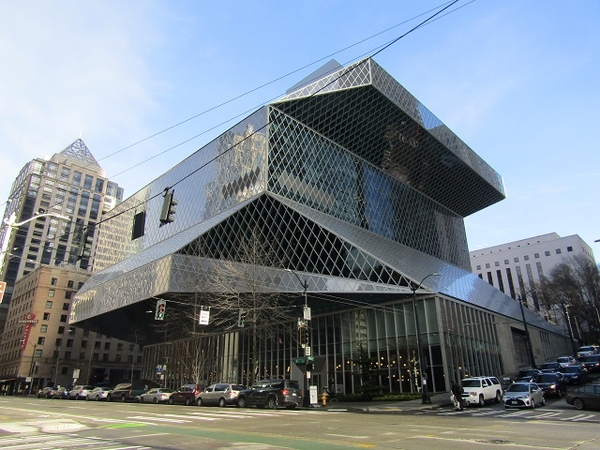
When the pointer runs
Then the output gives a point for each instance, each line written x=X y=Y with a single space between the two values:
x=307 y=351
x=527 y=337
x=32 y=367
x=10 y=225
x=425 y=399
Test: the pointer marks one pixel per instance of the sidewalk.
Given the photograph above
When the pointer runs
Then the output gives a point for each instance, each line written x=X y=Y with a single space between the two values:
x=437 y=401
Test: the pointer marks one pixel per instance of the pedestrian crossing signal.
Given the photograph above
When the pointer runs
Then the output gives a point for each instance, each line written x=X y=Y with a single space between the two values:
x=161 y=305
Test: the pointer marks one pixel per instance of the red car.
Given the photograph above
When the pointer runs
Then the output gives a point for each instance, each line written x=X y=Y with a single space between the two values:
x=186 y=394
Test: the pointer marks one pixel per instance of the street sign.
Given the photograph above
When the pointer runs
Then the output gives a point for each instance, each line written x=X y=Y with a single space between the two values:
x=2 y=289
x=204 y=317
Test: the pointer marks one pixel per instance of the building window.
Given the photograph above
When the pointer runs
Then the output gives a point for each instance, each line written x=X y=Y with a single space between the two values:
x=97 y=344
x=105 y=357
x=46 y=316
x=120 y=346
x=64 y=370
x=95 y=356
x=67 y=355
x=58 y=342
x=48 y=304
x=569 y=249
x=547 y=253
x=41 y=340
x=516 y=260
x=53 y=281
x=497 y=263
x=68 y=294
x=526 y=257
x=80 y=285
x=536 y=255
x=506 y=261
x=118 y=357
x=38 y=353
x=107 y=346
x=558 y=251
x=84 y=344
x=487 y=265
x=63 y=318
x=139 y=221
x=478 y=266
x=50 y=292
x=69 y=342
x=43 y=328
x=61 y=330
x=65 y=306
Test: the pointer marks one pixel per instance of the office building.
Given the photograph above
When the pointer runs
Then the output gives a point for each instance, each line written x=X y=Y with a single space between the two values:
x=350 y=195
x=51 y=211
x=39 y=348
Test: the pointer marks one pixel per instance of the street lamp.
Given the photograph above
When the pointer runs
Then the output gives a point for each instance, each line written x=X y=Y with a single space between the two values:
x=527 y=336
x=306 y=324
x=424 y=389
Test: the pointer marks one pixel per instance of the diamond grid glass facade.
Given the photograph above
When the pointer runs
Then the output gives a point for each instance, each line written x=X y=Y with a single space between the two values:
x=357 y=192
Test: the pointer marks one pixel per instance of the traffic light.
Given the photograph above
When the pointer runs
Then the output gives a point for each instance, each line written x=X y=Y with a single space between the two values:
x=167 y=214
x=242 y=318
x=161 y=305
x=85 y=244
x=304 y=337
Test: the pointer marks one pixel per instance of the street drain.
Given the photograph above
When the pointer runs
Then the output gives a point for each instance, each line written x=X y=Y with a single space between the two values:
x=494 y=441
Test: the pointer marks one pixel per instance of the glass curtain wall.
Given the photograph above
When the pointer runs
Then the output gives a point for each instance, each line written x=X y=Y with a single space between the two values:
x=457 y=341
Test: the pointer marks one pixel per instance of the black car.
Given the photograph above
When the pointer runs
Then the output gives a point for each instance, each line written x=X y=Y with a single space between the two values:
x=527 y=375
x=591 y=363
x=130 y=392
x=553 y=384
x=575 y=374
x=549 y=367
x=46 y=392
x=271 y=394
x=186 y=394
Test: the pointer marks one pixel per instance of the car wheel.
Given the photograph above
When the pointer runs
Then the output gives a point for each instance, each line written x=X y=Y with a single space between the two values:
x=559 y=393
x=154 y=400
x=123 y=399
x=481 y=400
x=578 y=404
x=199 y=402
x=188 y=402
x=271 y=403
x=532 y=404
x=241 y=402
x=141 y=399
x=171 y=401
x=543 y=401
x=97 y=398
x=222 y=402
x=498 y=397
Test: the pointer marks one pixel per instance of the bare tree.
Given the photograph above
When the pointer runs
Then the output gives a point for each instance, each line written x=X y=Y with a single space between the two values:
x=573 y=287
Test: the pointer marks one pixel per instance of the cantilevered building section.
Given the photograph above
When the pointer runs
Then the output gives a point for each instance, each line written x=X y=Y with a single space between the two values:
x=58 y=201
x=360 y=192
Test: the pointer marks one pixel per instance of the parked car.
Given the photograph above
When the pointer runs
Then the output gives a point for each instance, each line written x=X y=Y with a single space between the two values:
x=591 y=363
x=584 y=397
x=99 y=393
x=221 y=394
x=527 y=375
x=588 y=350
x=79 y=392
x=552 y=383
x=156 y=395
x=565 y=361
x=523 y=395
x=61 y=392
x=186 y=394
x=271 y=394
x=549 y=367
x=575 y=374
x=130 y=392
x=46 y=392
x=478 y=390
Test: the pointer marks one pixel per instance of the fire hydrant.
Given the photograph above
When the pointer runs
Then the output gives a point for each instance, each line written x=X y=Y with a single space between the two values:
x=324 y=398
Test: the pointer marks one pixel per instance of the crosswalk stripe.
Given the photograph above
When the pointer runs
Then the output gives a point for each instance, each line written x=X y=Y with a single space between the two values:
x=158 y=419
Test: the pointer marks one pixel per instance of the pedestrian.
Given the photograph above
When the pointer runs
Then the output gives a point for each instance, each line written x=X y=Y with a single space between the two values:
x=457 y=394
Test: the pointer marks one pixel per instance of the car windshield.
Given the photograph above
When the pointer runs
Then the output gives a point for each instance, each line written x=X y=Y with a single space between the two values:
x=471 y=383
x=571 y=369
x=565 y=359
x=518 y=388
x=546 y=378
x=526 y=373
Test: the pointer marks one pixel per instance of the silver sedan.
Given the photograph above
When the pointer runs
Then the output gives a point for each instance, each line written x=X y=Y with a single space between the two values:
x=523 y=395
x=156 y=395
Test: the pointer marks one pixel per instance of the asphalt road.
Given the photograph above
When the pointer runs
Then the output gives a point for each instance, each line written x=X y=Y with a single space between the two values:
x=29 y=423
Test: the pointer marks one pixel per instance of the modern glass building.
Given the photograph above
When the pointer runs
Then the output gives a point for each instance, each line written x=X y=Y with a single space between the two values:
x=346 y=195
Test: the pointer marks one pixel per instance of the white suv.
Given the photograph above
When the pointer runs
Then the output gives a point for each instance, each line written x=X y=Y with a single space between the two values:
x=478 y=390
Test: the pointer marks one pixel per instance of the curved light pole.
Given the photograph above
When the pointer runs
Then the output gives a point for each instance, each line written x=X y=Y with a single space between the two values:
x=10 y=225
x=306 y=323
x=423 y=366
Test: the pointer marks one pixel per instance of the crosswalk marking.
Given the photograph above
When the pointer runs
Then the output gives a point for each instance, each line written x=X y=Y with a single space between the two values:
x=62 y=442
x=536 y=414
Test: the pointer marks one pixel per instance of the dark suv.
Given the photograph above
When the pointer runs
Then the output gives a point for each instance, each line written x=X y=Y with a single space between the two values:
x=271 y=394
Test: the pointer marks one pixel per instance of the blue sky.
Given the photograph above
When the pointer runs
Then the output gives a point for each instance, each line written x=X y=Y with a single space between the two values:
x=517 y=80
